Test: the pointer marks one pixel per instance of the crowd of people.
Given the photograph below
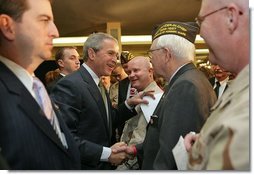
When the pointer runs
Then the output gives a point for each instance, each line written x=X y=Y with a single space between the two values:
x=96 y=116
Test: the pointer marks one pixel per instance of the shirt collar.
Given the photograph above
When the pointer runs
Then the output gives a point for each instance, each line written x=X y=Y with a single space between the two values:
x=177 y=71
x=20 y=72
x=91 y=72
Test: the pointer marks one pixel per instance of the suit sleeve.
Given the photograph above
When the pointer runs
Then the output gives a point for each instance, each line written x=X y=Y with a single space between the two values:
x=67 y=96
x=181 y=114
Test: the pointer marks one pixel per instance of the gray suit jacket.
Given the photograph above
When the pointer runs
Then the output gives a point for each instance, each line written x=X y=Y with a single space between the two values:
x=85 y=114
x=184 y=107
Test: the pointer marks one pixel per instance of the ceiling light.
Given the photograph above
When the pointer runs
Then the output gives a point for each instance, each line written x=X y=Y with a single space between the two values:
x=125 y=40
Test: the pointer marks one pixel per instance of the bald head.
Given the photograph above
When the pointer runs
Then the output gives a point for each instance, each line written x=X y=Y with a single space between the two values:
x=142 y=61
x=227 y=21
x=140 y=72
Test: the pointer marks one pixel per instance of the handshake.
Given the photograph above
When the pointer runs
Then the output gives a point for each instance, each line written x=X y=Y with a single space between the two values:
x=121 y=153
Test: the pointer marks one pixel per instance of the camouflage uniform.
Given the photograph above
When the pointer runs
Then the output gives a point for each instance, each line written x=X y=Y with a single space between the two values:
x=113 y=94
x=135 y=130
x=223 y=142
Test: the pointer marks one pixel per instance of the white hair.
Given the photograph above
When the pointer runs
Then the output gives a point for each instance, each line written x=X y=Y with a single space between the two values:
x=181 y=48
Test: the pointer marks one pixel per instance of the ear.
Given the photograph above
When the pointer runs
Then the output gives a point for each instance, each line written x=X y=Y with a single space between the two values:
x=151 y=71
x=60 y=63
x=91 y=54
x=168 y=54
x=7 y=27
x=233 y=17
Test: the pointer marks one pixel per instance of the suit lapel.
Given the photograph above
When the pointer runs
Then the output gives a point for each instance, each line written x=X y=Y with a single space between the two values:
x=123 y=89
x=183 y=69
x=95 y=93
x=28 y=104
x=34 y=112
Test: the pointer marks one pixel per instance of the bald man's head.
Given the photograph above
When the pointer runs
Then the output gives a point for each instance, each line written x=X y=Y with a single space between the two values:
x=140 y=72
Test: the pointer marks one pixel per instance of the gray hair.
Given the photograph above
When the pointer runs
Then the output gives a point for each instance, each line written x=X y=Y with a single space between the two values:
x=180 y=47
x=95 y=42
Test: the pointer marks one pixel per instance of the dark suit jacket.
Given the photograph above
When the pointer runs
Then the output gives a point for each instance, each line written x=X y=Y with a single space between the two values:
x=80 y=99
x=27 y=139
x=123 y=89
x=184 y=107
x=213 y=80
x=3 y=163
x=53 y=83
x=122 y=93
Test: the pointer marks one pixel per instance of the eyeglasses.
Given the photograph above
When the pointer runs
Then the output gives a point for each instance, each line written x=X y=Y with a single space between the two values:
x=149 y=52
x=200 y=19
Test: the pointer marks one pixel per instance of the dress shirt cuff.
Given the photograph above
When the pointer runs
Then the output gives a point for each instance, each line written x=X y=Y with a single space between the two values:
x=128 y=106
x=106 y=152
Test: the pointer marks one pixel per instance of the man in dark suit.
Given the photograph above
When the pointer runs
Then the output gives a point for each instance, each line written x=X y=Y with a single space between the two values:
x=67 y=59
x=89 y=115
x=27 y=137
x=188 y=96
x=220 y=80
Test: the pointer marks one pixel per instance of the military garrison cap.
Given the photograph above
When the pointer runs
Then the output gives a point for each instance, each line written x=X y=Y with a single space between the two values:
x=187 y=30
x=125 y=57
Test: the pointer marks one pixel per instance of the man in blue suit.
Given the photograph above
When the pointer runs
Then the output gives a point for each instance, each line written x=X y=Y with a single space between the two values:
x=27 y=136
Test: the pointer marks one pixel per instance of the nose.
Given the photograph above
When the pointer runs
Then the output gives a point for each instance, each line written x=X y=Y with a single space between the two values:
x=131 y=74
x=54 y=31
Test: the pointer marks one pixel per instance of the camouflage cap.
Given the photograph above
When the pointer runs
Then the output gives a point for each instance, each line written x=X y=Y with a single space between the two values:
x=187 y=30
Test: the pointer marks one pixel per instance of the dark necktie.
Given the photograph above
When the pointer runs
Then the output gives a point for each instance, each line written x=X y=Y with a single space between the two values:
x=217 y=88
x=44 y=102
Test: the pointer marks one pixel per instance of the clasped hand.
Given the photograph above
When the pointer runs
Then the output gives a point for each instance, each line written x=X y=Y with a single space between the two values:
x=120 y=153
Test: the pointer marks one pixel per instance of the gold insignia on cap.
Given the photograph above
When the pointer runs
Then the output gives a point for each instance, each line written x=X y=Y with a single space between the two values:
x=187 y=30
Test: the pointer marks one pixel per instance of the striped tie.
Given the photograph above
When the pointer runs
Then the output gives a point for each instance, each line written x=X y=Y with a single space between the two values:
x=44 y=101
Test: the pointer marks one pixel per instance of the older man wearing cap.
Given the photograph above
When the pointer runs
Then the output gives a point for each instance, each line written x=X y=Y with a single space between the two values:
x=188 y=96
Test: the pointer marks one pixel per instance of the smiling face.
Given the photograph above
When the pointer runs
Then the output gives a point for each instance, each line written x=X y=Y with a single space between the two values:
x=104 y=60
x=140 y=73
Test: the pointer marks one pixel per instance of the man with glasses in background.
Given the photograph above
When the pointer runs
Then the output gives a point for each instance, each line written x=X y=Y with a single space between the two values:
x=223 y=143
